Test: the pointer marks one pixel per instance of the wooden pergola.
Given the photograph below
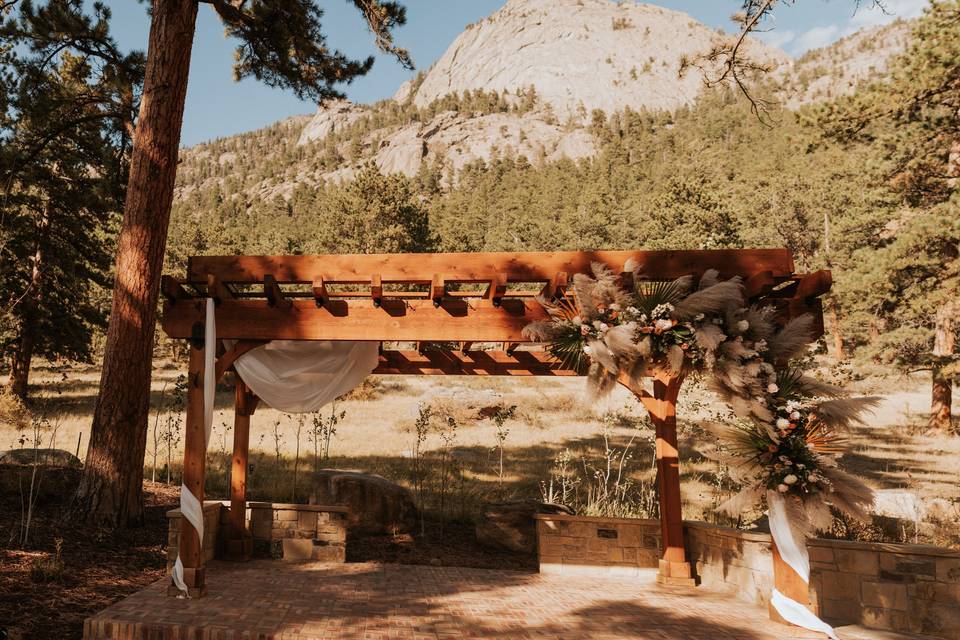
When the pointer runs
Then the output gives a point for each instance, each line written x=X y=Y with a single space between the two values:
x=434 y=314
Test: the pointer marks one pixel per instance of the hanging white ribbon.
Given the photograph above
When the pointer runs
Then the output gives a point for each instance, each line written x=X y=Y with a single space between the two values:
x=792 y=547
x=191 y=508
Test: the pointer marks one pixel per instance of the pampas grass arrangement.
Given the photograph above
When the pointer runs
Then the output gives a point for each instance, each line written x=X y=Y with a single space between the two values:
x=790 y=429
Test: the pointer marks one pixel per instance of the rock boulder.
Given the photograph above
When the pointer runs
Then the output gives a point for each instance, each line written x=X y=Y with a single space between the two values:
x=43 y=457
x=376 y=504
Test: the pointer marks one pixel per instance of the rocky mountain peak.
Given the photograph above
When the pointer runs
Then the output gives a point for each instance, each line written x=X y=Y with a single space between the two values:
x=579 y=55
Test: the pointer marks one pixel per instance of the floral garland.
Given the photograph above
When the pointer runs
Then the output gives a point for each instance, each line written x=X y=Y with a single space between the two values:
x=789 y=434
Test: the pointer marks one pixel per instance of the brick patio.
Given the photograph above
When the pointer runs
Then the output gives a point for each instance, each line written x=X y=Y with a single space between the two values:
x=266 y=600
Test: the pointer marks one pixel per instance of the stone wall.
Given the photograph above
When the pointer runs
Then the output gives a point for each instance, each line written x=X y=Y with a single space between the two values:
x=280 y=531
x=730 y=561
x=901 y=587
x=211 y=532
x=585 y=545
x=896 y=587
x=298 y=531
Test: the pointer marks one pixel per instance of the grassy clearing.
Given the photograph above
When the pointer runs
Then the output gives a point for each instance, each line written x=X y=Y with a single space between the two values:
x=555 y=434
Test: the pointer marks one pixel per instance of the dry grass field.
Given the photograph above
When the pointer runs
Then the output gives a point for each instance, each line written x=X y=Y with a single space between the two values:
x=460 y=459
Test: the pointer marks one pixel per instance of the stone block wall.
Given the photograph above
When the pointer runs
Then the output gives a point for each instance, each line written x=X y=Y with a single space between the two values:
x=900 y=587
x=896 y=587
x=299 y=531
x=585 y=545
x=280 y=531
x=739 y=563
x=211 y=532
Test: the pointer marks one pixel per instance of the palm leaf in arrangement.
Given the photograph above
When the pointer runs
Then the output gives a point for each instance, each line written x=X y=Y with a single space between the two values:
x=652 y=293
x=823 y=439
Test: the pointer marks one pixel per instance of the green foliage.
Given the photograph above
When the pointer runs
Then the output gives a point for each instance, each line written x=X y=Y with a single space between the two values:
x=907 y=276
x=70 y=103
x=282 y=43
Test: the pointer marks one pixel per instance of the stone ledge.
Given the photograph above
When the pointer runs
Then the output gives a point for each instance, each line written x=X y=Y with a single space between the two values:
x=886 y=547
x=562 y=517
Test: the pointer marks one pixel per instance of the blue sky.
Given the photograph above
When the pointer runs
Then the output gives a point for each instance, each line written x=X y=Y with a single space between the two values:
x=217 y=106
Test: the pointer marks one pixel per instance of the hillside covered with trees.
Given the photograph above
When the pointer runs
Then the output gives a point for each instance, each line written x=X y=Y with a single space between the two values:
x=820 y=180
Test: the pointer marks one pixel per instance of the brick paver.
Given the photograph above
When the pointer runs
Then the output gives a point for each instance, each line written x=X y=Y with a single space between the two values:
x=265 y=600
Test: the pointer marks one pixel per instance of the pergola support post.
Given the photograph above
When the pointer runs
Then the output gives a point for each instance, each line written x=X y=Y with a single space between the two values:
x=673 y=567
x=194 y=469
x=239 y=541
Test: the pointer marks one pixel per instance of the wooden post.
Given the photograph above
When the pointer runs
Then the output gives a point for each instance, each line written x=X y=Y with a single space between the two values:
x=194 y=467
x=673 y=568
x=239 y=541
x=789 y=583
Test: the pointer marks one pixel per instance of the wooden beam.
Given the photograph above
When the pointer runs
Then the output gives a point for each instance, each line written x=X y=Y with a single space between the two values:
x=438 y=289
x=397 y=320
x=320 y=295
x=274 y=294
x=194 y=468
x=171 y=290
x=217 y=290
x=662 y=407
x=225 y=361
x=814 y=285
x=554 y=288
x=480 y=267
x=497 y=289
x=376 y=290
x=239 y=541
x=471 y=363
x=758 y=284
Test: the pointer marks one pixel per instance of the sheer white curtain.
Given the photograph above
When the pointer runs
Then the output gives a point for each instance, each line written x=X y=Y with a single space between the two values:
x=289 y=375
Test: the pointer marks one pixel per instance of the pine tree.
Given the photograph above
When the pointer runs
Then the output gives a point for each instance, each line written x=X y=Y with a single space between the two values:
x=912 y=121
x=71 y=106
x=281 y=44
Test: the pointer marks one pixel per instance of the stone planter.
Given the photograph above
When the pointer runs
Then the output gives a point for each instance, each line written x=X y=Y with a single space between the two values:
x=596 y=546
x=280 y=531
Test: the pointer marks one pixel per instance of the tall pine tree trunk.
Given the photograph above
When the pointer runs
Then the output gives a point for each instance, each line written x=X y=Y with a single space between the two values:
x=943 y=345
x=833 y=314
x=23 y=348
x=110 y=490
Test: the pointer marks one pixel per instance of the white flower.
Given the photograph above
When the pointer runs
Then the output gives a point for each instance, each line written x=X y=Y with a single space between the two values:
x=577 y=320
x=772 y=388
x=633 y=310
x=614 y=306
x=790 y=479
x=662 y=310
x=795 y=415
x=742 y=326
x=782 y=488
x=760 y=346
x=587 y=350
x=782 y=423
x=603 y=327
x=597 y=324
x=662 y=324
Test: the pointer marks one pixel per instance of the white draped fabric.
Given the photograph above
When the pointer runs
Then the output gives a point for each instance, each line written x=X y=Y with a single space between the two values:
x=289 y=375
x=792 y=547
x=301 y=376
